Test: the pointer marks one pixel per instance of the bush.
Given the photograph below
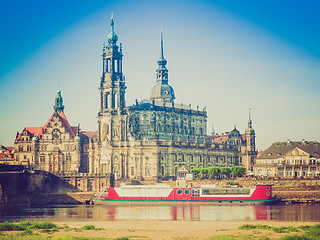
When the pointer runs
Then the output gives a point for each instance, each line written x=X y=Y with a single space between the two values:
x=88 y=227
x=6 y=226
x=43 y=225
x=26 y=232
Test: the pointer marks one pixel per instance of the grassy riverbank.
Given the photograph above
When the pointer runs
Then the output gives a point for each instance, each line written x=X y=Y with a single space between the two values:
x=176 y=230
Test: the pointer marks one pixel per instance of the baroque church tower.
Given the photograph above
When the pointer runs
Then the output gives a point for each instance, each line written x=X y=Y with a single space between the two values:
x=113 y=113
x=251 y=153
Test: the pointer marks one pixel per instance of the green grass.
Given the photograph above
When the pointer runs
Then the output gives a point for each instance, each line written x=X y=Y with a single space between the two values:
x=310 y=232
x=251 y=226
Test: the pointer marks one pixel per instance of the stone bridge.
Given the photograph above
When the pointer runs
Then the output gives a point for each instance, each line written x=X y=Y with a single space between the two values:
x=19 y=186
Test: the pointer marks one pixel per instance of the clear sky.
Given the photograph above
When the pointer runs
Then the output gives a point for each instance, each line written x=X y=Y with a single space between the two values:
x=227 y=55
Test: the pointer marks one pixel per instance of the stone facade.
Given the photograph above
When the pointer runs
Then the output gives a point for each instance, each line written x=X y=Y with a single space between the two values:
x=150 y=140
x=156 y=137
x=7 y=156
x=56 y=147
x=289 y=159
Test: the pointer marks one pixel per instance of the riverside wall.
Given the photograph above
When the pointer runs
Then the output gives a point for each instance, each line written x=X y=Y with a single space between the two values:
x=289 y=190
x=21 y=187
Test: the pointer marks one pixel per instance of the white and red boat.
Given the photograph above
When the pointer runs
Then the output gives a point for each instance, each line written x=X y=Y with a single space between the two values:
x=206 y=193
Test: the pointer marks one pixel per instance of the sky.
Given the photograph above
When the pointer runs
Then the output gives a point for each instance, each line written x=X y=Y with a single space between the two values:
x=225 y=55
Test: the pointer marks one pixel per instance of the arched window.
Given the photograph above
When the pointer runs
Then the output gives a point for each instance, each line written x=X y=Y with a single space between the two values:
x=269 y=173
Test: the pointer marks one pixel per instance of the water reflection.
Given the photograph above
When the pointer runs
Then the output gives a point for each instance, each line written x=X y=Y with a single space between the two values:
x=165 y=212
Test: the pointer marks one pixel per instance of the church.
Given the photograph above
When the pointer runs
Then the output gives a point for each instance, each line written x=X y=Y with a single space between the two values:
x=153 y=139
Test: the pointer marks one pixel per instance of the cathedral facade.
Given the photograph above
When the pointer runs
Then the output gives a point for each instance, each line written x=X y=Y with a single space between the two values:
x=151 y=139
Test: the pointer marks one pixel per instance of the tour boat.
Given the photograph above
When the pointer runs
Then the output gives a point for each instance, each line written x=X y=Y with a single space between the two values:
x=259 y=194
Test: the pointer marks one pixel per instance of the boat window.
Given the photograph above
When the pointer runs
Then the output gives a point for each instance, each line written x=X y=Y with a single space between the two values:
x=186 y=191
x=195 y=192
x=179 y=191
x=268 y=193
x=223 y=191
x=268 y=188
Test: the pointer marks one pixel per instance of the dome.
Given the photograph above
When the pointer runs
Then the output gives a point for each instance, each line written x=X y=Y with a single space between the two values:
x=235 y=133
x=77 y=138
x=250 y=130
x=162 y=92
x=112 y=37
x=35 y=138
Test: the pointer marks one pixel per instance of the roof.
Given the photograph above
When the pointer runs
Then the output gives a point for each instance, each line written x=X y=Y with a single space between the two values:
x=32 y=130
x=4 y=149
x=89 y=134
x=223 y=138
x=37 y=131
x=146 y=104
x=279 y=149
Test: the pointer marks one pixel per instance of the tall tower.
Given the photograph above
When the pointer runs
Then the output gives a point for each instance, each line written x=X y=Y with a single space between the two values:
x=58 y=106
x=251 y=153
x=111 y=125
x=162 y=91
x=112 y=85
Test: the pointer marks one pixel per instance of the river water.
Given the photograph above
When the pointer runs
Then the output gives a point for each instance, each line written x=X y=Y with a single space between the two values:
x=192 y=212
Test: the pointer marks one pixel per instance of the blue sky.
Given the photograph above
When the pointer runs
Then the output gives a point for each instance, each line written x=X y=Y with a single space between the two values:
x=226 y=55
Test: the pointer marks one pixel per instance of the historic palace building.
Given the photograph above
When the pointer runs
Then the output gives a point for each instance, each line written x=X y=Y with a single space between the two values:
x=289 y=159
x=152 y=139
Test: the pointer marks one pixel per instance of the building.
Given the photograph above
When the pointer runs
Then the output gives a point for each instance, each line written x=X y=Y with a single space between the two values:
x=151 y=139
x=56 y=147
x=7 y=155
x=289 y=159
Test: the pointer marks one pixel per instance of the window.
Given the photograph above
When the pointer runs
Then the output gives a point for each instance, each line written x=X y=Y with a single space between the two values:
x=179 y=191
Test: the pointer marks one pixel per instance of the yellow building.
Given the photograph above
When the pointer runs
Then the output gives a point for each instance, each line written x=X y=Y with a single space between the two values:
x=289 y=159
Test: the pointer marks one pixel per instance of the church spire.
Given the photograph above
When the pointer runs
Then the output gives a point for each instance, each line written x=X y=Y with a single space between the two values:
x=249 y=122
x=162 y=91
x=58 y=107
x=162 y=62
x=112 y=37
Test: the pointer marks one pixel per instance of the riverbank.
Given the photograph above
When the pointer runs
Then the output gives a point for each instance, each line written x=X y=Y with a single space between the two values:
x=187 y=230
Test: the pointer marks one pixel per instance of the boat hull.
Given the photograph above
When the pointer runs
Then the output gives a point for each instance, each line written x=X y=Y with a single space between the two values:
x=260 y=195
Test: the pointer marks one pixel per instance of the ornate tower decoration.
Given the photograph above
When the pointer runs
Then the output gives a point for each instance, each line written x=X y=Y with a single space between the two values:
x=250 y=135
x=58 y=106
x=162 y=91
x=251 y=153
x=112 y=117
x=112 y=85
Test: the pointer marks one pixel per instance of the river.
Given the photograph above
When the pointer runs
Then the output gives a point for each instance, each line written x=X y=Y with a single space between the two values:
x=193 y=212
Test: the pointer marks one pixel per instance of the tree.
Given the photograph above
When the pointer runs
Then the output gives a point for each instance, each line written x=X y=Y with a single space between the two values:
x=195 y=172
x=237 y=171
x=204 y=173
x=225 y=171
x=214 y=172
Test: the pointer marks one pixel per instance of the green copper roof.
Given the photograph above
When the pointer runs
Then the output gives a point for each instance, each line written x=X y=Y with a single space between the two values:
x=112 y=37
x=58 y=107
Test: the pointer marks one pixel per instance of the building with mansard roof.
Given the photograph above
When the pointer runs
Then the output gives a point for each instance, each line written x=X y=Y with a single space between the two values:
x=152 y=139
x=289 y=159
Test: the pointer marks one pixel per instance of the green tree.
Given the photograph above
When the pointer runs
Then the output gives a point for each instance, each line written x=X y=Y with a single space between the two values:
x=237 y=171
x=195 y=172
x=214 y=172
x=225 y=172
x=204 y=173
